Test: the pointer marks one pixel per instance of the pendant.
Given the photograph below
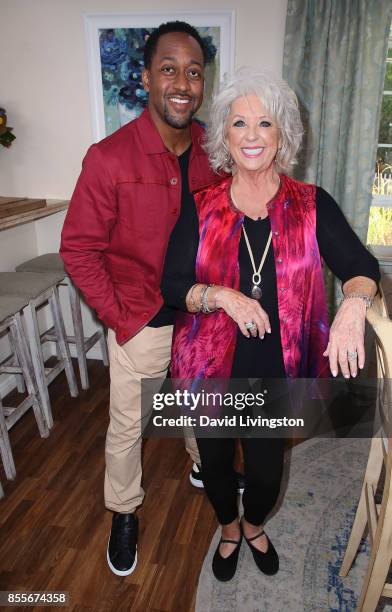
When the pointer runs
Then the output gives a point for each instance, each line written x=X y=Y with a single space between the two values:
x=256 y=292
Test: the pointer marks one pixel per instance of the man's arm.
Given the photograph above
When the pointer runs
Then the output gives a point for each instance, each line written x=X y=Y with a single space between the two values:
x=86 y=234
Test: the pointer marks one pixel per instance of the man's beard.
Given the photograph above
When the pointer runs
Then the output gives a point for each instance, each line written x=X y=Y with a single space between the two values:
x=177 y=122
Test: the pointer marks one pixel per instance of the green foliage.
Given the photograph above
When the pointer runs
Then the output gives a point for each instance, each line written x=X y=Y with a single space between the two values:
x=388 y=74
x=6 y=135
x=385 y=134
x=380 y=226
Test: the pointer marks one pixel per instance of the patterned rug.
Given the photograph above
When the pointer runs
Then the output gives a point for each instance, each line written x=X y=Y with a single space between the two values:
x=310 y=528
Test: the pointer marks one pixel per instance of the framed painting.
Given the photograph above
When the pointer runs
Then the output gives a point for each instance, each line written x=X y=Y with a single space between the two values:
x=115 y=45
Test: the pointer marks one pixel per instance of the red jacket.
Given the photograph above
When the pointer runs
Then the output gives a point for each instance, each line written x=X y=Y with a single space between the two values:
x=124 y=207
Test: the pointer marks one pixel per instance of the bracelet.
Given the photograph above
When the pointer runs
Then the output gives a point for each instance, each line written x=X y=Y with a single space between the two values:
x=203 y=300
x=203 y=303
x=367 y=299
x=192 y=299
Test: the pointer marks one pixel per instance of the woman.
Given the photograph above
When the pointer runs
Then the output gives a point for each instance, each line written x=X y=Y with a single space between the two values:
x=247 y=273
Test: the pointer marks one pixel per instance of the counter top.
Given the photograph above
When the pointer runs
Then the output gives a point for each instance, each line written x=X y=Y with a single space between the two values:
x=52 y=207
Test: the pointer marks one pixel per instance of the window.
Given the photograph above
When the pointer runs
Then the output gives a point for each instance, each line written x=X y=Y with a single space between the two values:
x=380 y=219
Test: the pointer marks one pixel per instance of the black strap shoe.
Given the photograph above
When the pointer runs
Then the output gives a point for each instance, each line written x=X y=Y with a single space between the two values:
x=121 y=552
x=267 y=562
x=224 y=568
x=196 y=478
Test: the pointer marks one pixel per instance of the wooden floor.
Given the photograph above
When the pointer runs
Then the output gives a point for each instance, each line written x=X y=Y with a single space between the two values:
x=54 y=528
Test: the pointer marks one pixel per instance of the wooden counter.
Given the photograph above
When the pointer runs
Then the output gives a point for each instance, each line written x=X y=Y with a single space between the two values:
x=52 y=207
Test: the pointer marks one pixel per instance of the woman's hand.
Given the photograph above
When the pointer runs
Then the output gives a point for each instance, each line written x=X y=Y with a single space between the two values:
x=346 y=339
x=242 y=310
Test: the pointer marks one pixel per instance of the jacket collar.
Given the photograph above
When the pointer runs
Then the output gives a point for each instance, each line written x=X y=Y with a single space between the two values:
x=153 y=142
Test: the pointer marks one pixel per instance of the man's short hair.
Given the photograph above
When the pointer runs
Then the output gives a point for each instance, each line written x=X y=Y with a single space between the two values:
x=167 y=28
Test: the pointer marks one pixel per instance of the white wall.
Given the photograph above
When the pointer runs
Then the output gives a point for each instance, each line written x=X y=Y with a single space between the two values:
x=16 y=245
x=44 y=87
x=44 y=81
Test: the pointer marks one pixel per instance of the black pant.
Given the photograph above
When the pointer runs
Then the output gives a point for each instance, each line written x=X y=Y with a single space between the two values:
x=263 y=462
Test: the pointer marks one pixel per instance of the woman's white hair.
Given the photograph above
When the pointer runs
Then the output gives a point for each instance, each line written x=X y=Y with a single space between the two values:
x=280 y=103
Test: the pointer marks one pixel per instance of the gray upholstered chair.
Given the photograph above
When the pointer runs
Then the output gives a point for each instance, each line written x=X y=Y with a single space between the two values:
x=39 y=289
x=52 y=262
x=19 y=364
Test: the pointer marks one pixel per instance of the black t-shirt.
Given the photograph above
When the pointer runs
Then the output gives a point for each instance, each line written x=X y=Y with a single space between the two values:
x=166 y=314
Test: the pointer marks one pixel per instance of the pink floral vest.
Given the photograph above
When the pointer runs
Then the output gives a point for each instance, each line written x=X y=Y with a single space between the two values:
x=204 y=345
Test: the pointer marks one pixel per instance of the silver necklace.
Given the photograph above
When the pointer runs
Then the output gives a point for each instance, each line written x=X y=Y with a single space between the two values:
x=256 y=292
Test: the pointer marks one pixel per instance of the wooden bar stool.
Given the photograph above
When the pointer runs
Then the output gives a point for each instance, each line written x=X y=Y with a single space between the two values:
x=11 y=324
x=52 y=262
x=377 y=517
x=40 y=289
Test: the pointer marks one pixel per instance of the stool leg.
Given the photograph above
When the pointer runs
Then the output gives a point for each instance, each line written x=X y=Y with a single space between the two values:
x=19 y=378
x=19 y=382
x=5 y=448
x=37 y=359
x=63 y=344
x=28 y=374
x=104 y=347
x=58 y=352
x=79 y=333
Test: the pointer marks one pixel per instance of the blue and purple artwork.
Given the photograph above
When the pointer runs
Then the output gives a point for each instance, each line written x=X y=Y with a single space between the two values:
x=121 y=55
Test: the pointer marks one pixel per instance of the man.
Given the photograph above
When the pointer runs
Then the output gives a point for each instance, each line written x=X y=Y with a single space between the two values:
x=125 y=205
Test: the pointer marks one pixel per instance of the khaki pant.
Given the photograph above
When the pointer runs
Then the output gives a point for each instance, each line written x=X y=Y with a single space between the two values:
x=147 y=355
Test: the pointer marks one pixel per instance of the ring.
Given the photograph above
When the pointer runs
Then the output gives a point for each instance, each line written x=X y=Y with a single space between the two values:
x=352 y=355
x=250 y=325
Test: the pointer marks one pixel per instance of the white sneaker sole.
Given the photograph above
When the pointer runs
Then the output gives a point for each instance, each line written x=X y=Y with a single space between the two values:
x=196 y=482
x=119 y=572
x=200 y=485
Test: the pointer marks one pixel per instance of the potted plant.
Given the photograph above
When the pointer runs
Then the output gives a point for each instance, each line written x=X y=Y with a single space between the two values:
x=6 y=135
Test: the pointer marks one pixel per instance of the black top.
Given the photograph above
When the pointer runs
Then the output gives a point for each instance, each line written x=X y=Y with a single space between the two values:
x=339 y=246
x=166 y=315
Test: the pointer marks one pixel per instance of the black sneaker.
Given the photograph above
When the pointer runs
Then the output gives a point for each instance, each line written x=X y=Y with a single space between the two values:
x=196 y=478
x=121 y=552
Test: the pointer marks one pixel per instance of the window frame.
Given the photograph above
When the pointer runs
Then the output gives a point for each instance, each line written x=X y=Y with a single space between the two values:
x=383 y=201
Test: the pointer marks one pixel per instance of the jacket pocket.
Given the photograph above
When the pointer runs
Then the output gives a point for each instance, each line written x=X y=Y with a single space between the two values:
x=143 y=206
